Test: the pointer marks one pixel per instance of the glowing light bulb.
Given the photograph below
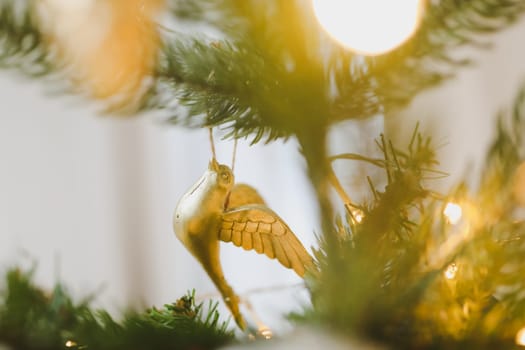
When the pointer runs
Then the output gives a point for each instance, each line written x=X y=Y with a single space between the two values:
x=453 y=212
x=266 y=332
x=520 y=337
x=358 y=215
x=451 y=271
x=70 y=344
x=370 y=27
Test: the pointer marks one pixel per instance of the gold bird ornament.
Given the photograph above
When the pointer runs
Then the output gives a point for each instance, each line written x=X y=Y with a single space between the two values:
x=214 y=210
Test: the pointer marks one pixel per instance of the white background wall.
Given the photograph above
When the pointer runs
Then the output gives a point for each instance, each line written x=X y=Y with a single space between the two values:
x=90 y=198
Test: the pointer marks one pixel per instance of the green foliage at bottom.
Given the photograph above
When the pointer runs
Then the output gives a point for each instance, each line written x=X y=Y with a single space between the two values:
x=31 y=318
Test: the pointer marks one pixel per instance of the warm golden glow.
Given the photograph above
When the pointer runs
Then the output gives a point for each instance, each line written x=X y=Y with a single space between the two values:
x=358 y=215
x=453 y=212
x=110 y=47
x=265 y=332
x=520 y=337
x=451 y=271
x=371 y=27
x=70 y=344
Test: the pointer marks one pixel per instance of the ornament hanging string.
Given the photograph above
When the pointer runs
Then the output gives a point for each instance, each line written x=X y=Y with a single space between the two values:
x=227 y=201
x=234 y=154
x=212 y=144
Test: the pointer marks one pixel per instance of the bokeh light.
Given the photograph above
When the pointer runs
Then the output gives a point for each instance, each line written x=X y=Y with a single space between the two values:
x=453 y=212
x=520 y=337
x=369 y=27
x=451 y=271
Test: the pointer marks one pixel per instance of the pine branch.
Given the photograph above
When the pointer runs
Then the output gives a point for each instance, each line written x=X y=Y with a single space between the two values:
x=237 y=87
x=283 y=62
x=270 y=78
x=205 y=79
x=22 y=45
x=410 y=278
x=31 y=318
x=388 y=227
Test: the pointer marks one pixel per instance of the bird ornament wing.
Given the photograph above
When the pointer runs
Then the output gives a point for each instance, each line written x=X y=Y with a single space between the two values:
x=257 y=227
x=243 y=194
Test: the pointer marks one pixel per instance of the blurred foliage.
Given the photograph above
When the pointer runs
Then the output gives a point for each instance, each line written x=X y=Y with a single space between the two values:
x=407 y=276
x=22 y=45
x=273 y=73
x=403 y=275
x=31 y=318
x=276 y=74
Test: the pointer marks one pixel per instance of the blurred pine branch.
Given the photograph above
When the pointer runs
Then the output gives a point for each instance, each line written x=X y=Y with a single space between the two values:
x=22 y=45
x=31 y=318
x=278 y=72
x=406 y=276
x=274 y=73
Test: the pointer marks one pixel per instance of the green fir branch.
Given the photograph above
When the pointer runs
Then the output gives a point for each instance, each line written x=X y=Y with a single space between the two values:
x=388 y=282
x=283 y=57
x=269 y=78
x=343 y=294
x=22 y=45
x=31 y=318
x=205 y=79
x=222 y=84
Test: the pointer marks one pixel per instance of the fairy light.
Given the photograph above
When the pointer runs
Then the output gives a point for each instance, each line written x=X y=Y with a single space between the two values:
x=520 y=337
x=358 y=215
x=265 y=332
x=451 y=271
x=371 y=27
x=70 y=344
x=453 y=212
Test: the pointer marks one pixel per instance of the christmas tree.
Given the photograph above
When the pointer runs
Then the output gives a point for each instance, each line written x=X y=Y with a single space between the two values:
x=406 y=268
